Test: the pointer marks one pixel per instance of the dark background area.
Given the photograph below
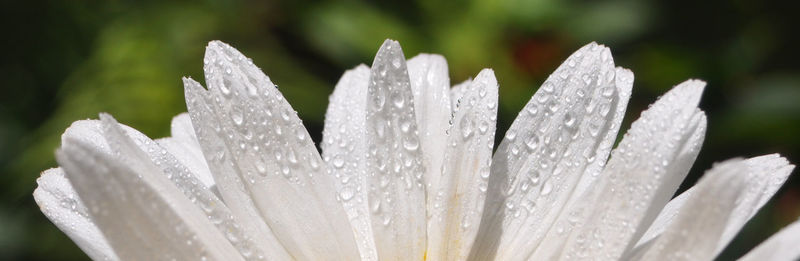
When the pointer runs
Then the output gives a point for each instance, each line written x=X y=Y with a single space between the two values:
x=63 y=61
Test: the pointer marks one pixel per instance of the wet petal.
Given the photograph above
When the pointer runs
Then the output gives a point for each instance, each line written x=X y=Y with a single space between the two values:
x=141 y=150
x=664 y=218
x=655 y=152
x=226 y=176
x=764 y=176
x=273 y=158
x=681 y=164
x=456 y=207
x=343 y=149
x=694 y=235
x=59 y=202
x=430 y=85
x=143 y=216
x=395 y=174
x=456 y=92
x=565 y=130
x=184 y=146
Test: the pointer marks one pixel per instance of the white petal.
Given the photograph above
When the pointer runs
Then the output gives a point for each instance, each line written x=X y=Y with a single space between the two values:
x=395 y=179
x=59 y=202
x=88 y=131
x=91 y=132
x=624 y=82
x=680 y=166
x=343 y=149
x=781 y=246
x=430 y=85
x=765 y=175
x=567 y=127
x=141 y=214
x=651 y=155
x=226 y=177
x=139 y=149
x=694 y=234
x=458 y=203
x=184 y=146
x=272 y=153
x=246 y=237
x=668 y=213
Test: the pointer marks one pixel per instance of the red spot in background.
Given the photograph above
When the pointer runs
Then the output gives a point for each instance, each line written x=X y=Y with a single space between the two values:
x=536 y=56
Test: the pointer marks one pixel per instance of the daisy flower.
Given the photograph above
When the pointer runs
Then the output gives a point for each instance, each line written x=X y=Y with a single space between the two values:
x=408 y=171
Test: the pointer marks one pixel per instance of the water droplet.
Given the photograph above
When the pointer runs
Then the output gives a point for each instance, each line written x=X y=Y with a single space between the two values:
x=379 y=129
x=378 y=100
x=546 y=188
x=347 y=193
x=286 y=171
x=337 y=161
x=525 y=185
x=552 y=106
x=511 y=135
x=411 y=144
x=466 y=125
x=405 y=126
x=509 y=204
x=532 y=109
x=396 y=62
x=569 y=120
x=237 y=115
x=608 y=91
x=261 y=167
x=533 y=142
x=542 y=98
x=292 y=156
x=226 y=85
x=605 y=109
x=534 y=176
x=594 y=128
x=586 y=79
x=483 y=127
x=548 y=87
x=375 y=206
x=397 y=99
x=285 y=114
x=69 y=203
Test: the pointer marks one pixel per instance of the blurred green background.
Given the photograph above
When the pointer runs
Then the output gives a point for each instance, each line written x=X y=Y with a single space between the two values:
x=68 y=60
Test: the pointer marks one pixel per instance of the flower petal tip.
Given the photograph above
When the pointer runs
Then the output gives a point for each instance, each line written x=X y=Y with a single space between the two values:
x=487 y=76
x=684 y=95
x=387 y=46
x=214 y=44
x=105 y=116
x=190 y=85
x=389 y=41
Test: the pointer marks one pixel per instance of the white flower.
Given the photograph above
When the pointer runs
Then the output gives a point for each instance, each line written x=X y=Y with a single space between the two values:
x=407 y=172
